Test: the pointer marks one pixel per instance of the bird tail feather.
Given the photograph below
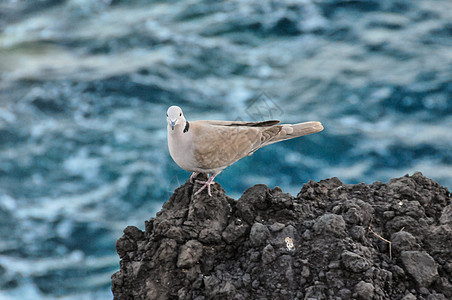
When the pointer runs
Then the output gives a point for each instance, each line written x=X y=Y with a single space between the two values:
x=305 y=128
x=290 y=131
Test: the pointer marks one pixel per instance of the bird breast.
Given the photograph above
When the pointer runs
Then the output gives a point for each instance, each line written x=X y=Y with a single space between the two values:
x=180 y=148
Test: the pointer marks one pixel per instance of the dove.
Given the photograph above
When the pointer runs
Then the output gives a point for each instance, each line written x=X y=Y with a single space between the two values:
x=211 y=146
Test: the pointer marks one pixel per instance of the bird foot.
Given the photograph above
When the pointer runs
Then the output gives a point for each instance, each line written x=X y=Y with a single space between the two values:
x=207 y=184
x=193 y=176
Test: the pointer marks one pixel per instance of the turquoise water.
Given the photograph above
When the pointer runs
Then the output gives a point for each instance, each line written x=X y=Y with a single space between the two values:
x=84 y=88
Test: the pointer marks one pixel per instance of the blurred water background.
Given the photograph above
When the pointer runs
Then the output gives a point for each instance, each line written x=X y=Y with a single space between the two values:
x=85 y=84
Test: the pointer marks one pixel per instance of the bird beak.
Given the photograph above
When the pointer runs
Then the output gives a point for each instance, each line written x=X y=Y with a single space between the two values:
x=173 y=123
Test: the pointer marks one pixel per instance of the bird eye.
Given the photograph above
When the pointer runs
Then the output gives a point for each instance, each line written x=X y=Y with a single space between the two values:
x=167 y=115
x=180 y=115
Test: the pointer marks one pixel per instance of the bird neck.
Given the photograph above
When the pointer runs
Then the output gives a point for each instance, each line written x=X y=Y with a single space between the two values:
x=187 y=127
x=180 y=129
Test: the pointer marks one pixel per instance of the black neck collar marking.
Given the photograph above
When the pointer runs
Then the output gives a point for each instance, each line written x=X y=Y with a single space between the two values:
x=187 y=125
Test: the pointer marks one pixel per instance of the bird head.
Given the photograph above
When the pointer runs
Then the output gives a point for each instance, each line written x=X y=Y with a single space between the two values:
x=174 y=117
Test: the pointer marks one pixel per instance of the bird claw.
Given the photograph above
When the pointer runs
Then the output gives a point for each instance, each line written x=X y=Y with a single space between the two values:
x=205 y=184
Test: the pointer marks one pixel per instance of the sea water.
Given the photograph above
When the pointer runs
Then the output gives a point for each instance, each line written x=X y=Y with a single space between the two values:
x=84 y=87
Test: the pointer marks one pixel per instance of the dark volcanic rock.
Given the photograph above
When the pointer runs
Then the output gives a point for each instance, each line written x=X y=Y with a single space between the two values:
x=219 y=248
x=421 y=266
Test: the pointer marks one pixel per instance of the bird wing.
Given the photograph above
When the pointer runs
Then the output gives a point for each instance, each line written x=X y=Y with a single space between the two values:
x=218 y=144
x=241 y=123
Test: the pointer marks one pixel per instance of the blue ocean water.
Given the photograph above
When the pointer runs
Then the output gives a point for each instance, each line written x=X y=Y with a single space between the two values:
x=85 y=84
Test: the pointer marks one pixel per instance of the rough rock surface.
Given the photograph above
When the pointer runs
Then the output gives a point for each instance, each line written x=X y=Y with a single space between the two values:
x=220 y=248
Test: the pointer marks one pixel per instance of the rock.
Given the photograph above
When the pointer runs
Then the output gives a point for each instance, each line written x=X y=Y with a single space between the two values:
x=124 y=245
x=268 y=254
x=421 y=266
x=234 y=232
x=444 y=286
x=344 y=294
x=219 y=248
x=354 y=262
x=446 y=216
x=134 y=233
x=218 y=289
x=167 y=251
x=403 y=241
x=305 y=272
x=252 y=200
x=409 y=296
x=190 y=254
x=357 y=233
x=364 y=290
x=277 y=226
x=330 y=224
x=259 y=234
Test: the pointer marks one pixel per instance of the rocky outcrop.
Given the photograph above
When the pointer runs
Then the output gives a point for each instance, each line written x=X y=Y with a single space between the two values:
x=331 y=241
